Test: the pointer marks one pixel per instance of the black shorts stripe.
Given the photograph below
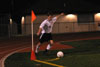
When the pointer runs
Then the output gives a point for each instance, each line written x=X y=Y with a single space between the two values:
x=45 y=37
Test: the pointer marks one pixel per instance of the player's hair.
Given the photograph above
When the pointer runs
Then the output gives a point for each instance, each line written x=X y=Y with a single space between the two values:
x=49 y=14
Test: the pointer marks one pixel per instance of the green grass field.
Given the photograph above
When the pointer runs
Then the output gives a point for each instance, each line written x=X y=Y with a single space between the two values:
x=84 y=54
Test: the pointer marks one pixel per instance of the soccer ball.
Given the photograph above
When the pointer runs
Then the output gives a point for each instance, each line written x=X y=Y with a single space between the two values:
x=60 y=54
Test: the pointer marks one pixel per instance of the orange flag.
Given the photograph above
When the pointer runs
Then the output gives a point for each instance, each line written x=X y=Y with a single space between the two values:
x=33 y=16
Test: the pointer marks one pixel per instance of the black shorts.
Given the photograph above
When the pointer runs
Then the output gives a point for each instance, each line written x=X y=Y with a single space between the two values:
x=45 y=37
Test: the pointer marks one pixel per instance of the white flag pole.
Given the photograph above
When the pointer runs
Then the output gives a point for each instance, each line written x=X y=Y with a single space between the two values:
x=33 y=57
x=32 y=36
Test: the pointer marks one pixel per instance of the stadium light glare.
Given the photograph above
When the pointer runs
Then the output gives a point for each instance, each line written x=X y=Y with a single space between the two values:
x=70 y=16
x=11 y=21
x=97 y=17
x=97 y=14
x=23 y=19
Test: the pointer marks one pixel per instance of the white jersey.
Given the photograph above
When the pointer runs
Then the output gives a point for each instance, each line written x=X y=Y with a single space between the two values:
x=47 y=25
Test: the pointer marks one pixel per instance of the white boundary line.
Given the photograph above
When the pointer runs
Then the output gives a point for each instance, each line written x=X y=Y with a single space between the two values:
x=13 y=49
x=9 y=46
x=4 y=58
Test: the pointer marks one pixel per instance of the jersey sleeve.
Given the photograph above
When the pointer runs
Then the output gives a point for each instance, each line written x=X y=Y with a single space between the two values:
x=54 y=19
x=42 y=24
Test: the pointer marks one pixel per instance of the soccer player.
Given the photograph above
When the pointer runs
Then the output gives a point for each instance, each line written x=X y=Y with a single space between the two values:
x=45 y=31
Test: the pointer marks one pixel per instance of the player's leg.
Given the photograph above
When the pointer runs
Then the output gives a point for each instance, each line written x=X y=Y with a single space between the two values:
x=41 y=40
x=50 y=40
x=49 y=45
x=37 y=47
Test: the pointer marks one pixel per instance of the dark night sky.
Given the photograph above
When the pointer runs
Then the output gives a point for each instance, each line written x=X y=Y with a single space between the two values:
x=24 y=7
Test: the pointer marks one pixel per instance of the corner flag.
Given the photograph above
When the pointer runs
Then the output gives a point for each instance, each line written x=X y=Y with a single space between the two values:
x=33 y=17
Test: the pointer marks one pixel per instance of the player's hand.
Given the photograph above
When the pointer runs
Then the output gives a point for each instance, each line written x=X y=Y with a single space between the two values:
x=38 y=34
x=62 y=14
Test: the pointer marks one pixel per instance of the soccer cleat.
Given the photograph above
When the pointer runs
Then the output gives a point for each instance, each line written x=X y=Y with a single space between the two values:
x=37 y=50
x=36 y=54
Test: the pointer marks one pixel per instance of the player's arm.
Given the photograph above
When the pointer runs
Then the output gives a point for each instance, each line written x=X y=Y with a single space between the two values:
x=59 y=15
x=56 y=17
x=39 y=31
x=41 y=27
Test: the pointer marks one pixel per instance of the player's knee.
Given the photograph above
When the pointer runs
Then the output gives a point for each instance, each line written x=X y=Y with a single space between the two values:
x=39 y=44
